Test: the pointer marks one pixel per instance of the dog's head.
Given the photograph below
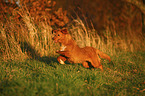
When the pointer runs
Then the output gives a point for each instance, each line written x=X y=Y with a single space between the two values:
x=61 y=36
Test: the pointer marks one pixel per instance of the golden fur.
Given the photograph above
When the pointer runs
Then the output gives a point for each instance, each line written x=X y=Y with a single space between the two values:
x=71 y=52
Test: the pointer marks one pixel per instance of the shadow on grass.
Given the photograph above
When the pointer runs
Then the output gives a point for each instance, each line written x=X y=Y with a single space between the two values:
x=48 y=60
x=32 y=53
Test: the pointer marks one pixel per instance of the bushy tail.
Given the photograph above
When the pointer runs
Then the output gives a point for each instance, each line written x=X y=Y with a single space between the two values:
x=103 y=55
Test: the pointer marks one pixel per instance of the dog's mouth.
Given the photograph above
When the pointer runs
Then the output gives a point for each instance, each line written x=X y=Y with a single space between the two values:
x=56 y=41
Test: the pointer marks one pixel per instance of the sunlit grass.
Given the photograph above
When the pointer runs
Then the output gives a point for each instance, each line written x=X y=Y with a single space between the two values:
x=124 y=76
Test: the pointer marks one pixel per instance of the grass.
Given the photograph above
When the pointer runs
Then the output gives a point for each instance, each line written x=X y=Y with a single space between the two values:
x=124 y=76
x=29 y=66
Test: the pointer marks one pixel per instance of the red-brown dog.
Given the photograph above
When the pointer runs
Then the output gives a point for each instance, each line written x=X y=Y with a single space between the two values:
x=71 y=52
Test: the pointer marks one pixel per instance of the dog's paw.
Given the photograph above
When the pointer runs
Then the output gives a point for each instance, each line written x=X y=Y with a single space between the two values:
x=61 y=62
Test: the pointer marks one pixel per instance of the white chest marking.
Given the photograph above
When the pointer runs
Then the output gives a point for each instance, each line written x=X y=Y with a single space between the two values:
x=62 y=48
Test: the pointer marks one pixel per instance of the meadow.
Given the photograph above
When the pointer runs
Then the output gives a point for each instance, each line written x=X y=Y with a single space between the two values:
x=124 y=76
x=29 y=66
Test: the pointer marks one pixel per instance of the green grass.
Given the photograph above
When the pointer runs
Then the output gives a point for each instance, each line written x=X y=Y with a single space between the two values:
x=124 y=76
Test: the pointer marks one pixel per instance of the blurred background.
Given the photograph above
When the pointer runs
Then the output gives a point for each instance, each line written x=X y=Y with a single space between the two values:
x=110 y=25
x=122 y=13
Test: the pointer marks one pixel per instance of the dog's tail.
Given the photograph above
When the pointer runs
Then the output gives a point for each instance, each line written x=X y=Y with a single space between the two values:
x=103 y=55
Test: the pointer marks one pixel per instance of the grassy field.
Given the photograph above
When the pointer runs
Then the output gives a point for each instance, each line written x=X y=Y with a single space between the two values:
x=124 y=76
x=28 y=64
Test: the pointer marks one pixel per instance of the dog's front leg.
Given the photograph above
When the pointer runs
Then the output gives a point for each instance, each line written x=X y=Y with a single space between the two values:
x=65 y=53
x=61 y=59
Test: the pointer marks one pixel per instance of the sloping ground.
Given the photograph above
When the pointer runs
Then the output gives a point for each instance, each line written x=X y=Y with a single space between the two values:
x=124 y=76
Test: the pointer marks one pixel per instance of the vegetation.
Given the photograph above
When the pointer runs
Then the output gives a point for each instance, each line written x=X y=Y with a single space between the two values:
x=28 y=59
x=124 y=77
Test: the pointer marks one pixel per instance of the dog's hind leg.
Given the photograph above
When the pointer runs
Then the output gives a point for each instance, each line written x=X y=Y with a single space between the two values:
x=85 y=64
x=97 y=64
x=101 y=67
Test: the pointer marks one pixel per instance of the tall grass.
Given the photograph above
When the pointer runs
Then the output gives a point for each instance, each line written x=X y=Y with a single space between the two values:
x=110 y=42
x=27 y=39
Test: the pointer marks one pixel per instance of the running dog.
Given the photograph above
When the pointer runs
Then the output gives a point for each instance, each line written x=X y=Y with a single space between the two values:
x=71 y=52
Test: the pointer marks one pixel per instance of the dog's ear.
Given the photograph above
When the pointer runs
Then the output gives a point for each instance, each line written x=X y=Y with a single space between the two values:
x=64 y=31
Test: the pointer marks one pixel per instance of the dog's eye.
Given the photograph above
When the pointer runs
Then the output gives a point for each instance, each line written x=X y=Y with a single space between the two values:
x=58 y=35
